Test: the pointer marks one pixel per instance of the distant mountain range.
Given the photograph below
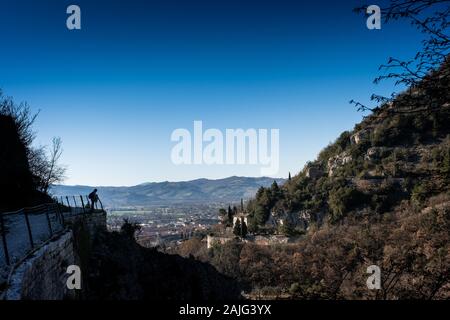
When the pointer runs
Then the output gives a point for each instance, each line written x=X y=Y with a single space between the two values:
x=230 y=189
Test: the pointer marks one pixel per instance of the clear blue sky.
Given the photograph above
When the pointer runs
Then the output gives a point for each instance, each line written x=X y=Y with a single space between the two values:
x=115 y=90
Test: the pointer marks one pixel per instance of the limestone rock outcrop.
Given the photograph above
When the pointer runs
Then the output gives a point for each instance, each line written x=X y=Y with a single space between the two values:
x=338 y=161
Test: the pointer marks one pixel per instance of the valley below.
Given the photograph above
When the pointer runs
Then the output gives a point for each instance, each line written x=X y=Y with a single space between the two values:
x=170 y=212
x=166 y=225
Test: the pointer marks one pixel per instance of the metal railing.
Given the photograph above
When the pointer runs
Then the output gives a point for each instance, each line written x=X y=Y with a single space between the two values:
x=26 y=229
x=23 y=230
x=73 y=202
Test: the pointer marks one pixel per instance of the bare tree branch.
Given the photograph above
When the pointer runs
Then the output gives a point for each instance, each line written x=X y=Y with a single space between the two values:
x=429 y=17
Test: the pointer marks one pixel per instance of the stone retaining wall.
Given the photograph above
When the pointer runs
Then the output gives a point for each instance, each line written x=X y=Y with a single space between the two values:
x=43 y=276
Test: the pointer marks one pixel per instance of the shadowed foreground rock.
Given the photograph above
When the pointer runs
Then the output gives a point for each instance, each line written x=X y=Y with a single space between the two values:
x=121 y=269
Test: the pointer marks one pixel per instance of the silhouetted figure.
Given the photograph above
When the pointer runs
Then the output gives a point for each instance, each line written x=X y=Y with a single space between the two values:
x=94 y=198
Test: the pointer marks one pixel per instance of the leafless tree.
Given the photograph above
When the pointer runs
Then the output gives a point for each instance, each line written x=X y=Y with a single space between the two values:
x=55 y=172
x=37 y=160
x=427 y=89
x=23 y=118
x=43 y=165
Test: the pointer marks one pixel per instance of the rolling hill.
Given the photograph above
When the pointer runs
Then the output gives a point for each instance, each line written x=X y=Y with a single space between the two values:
x=230 y=189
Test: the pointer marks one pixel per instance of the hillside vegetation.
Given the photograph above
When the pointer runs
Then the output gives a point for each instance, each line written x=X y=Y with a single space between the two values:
x=23 y=169
x=399 y=153
x=379 y=195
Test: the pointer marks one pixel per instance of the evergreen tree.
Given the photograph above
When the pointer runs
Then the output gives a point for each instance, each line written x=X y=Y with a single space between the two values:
x=261 y=215
x=252 y=223
x=275 y=193
x=242 y=205
x=275 y=186
x=244 y=229
x=230 y=215
x=260 y=193
x=289 y=176
x=237 y=227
